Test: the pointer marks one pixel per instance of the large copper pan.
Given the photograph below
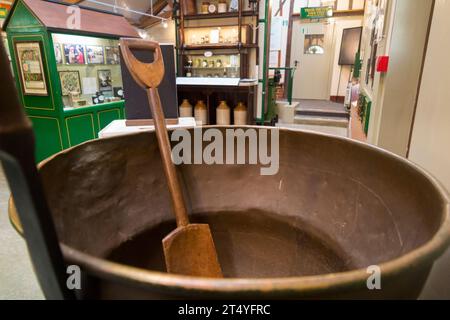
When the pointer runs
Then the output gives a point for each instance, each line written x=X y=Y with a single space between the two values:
x=335 y=208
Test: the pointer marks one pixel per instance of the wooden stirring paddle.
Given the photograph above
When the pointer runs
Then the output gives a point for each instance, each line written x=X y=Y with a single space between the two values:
x=189 y=249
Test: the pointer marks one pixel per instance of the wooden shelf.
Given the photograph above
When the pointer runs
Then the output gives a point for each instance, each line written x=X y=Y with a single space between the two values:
x=210 y=68
x=199 y=16
x=245 y=33
x=219 y=46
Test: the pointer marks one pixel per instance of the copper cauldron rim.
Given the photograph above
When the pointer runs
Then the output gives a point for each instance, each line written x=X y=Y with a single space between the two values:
x=430 y=251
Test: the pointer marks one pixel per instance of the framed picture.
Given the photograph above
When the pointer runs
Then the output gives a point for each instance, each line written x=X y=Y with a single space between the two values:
x=112 y=55
x=74 y=54
x=31 y=67
x=350 y=45
x=104 y=80
x=95 y=55
x=58 y=54
x=70 y=82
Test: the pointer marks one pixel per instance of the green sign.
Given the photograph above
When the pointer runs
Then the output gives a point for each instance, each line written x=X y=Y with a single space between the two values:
x=3 y=13
x=317 y=13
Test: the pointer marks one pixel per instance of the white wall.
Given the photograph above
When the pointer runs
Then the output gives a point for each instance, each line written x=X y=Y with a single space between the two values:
x=431 y=135
x=375 y=90
x=394 y=94
x=339 y=81
x=406 y=53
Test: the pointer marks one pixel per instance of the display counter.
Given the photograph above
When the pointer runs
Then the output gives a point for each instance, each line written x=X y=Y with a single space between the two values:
x=120 y=127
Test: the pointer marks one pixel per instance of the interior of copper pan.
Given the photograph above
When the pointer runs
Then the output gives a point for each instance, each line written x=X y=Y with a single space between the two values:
x=333 y=206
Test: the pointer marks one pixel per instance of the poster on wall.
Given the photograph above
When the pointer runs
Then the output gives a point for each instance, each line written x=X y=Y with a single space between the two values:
x=31 y=68
x=70 y=82
x=276 y=33
x=379 y=21
x=74 y=54
x=104 y=80
x=89 y=85
x=95 y=55
x=58 y=54
x=112 y=55
x=350 y=45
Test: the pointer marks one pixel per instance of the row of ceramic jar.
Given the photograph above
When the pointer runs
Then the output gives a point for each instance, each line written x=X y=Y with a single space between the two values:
x=223 y=113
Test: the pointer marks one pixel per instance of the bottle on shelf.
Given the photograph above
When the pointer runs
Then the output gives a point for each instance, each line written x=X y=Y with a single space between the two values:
x=185 y=109
x=240 y=114
x=189 y=69
x=223 y=114
x=205 y=7
x=222 y=7
x=201 y=113
x=234 y=5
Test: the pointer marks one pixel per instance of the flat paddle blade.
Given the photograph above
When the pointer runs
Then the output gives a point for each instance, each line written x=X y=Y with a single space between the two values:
x=190 y=251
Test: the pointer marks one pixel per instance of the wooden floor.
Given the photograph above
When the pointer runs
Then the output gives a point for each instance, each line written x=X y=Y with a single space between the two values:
x=356 y=126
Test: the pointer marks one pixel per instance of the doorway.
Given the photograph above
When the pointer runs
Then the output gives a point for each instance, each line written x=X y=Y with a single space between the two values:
x=312 y=45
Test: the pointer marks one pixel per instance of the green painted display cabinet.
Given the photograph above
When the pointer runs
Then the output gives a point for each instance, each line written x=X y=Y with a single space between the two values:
x=67 y=68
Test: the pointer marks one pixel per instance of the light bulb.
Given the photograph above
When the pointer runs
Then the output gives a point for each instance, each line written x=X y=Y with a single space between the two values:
x=143 y=34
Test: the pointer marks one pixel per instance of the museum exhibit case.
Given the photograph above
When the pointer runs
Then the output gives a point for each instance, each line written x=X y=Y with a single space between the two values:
x=69 y=79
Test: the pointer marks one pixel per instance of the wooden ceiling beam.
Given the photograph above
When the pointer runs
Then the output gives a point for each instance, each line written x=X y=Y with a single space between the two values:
x=158 y=8
x=154 y=21
x=73 y=1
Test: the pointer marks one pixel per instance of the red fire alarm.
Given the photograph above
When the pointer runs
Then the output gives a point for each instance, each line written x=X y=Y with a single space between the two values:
x=383 y=64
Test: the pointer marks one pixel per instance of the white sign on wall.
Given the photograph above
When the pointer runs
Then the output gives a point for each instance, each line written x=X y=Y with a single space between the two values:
x=276 y=33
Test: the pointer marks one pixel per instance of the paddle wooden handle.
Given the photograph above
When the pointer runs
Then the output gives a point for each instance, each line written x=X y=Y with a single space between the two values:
x=149 y=76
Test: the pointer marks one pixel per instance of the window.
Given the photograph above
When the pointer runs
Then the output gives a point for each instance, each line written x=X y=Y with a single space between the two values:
x=314 y=44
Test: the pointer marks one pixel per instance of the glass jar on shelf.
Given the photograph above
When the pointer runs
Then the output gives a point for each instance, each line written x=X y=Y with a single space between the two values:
x=222 y=64
x=204 y=7
x=222 y=6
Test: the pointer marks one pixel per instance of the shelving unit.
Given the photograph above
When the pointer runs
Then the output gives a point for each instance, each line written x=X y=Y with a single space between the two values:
x=244 y=13
x=236 y=46
x=191 y=57
x=235 y=19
